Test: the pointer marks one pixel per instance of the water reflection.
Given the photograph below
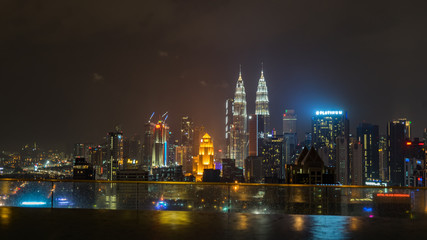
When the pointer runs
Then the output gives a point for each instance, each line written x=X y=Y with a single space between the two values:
x=174 y=218
x=354 y=223
x=5 y=214
x=242 y=223
x=298 y=223
x=329 y=227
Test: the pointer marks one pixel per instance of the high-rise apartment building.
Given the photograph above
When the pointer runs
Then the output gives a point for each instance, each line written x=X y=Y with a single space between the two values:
x=326 y=127
x=290 y=135
x=240 y=123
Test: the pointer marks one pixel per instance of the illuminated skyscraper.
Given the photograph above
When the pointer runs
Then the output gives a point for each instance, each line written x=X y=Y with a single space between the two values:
x=114 y=153
x=205 y=160
x=184 y=153
x=327 y=126
x=160 y=148
x=368 y=136
x=229 y=108
x=407 y=126
x=356 y=163
x=272 y=160
x=290 y=135
x=343 y=164
x=187 y=131
x=395 y=142
x=240 y=123
x=261 y=102
x=256 y=134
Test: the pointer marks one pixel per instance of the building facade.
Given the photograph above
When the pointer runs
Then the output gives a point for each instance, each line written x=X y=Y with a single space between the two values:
x=368 y=136
x=261 y=102
x=290 y=135
x=239 y=123
x=326 y=127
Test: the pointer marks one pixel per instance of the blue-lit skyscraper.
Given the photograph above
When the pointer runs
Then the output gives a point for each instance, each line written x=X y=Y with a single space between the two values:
x=326 y=127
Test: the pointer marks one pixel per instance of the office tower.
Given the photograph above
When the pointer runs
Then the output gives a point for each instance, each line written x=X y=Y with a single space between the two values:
x=256 y=134
x=114 y=153
x=357 y=163
x=382 y=156
x=368 y=136
x=229 y=128
x=261 y=102
x=187 y=131
x=95 y=158
x=205 y=159
x=183 y=156
x=273 y=160
x=240 y=123
x=290 y=135
x=185 y=150
x=326 y=127
x=343 y=163
x=147 y=146
x=407 y=127
x=395 y=140
x=172 y=145
x=160 y=147
x=414 y=165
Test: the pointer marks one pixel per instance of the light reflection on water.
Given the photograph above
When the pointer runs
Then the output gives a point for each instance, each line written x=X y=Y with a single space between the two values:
x=174 y=218
x=298 y=223
x=242 y=223
x=5 y=214
x=329 y=227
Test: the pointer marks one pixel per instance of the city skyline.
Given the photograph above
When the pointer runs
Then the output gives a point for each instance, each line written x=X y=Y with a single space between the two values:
x=70 y=79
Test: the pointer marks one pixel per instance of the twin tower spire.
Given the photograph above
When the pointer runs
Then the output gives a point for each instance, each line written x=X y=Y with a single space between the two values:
x=238 y=130
x=261 y=101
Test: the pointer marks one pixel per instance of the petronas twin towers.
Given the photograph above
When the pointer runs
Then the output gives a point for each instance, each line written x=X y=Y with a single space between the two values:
x=238 y=148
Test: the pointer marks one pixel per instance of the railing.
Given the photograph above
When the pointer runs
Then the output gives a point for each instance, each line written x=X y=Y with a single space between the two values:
x=215 y=197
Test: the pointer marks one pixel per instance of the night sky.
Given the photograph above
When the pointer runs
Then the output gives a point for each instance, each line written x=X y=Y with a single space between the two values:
x=71 y=70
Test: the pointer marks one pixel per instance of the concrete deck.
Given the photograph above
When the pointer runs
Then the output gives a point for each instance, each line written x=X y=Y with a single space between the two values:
x=79 y=224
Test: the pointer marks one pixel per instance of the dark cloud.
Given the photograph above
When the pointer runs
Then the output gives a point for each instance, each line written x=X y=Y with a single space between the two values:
x=365 y=56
